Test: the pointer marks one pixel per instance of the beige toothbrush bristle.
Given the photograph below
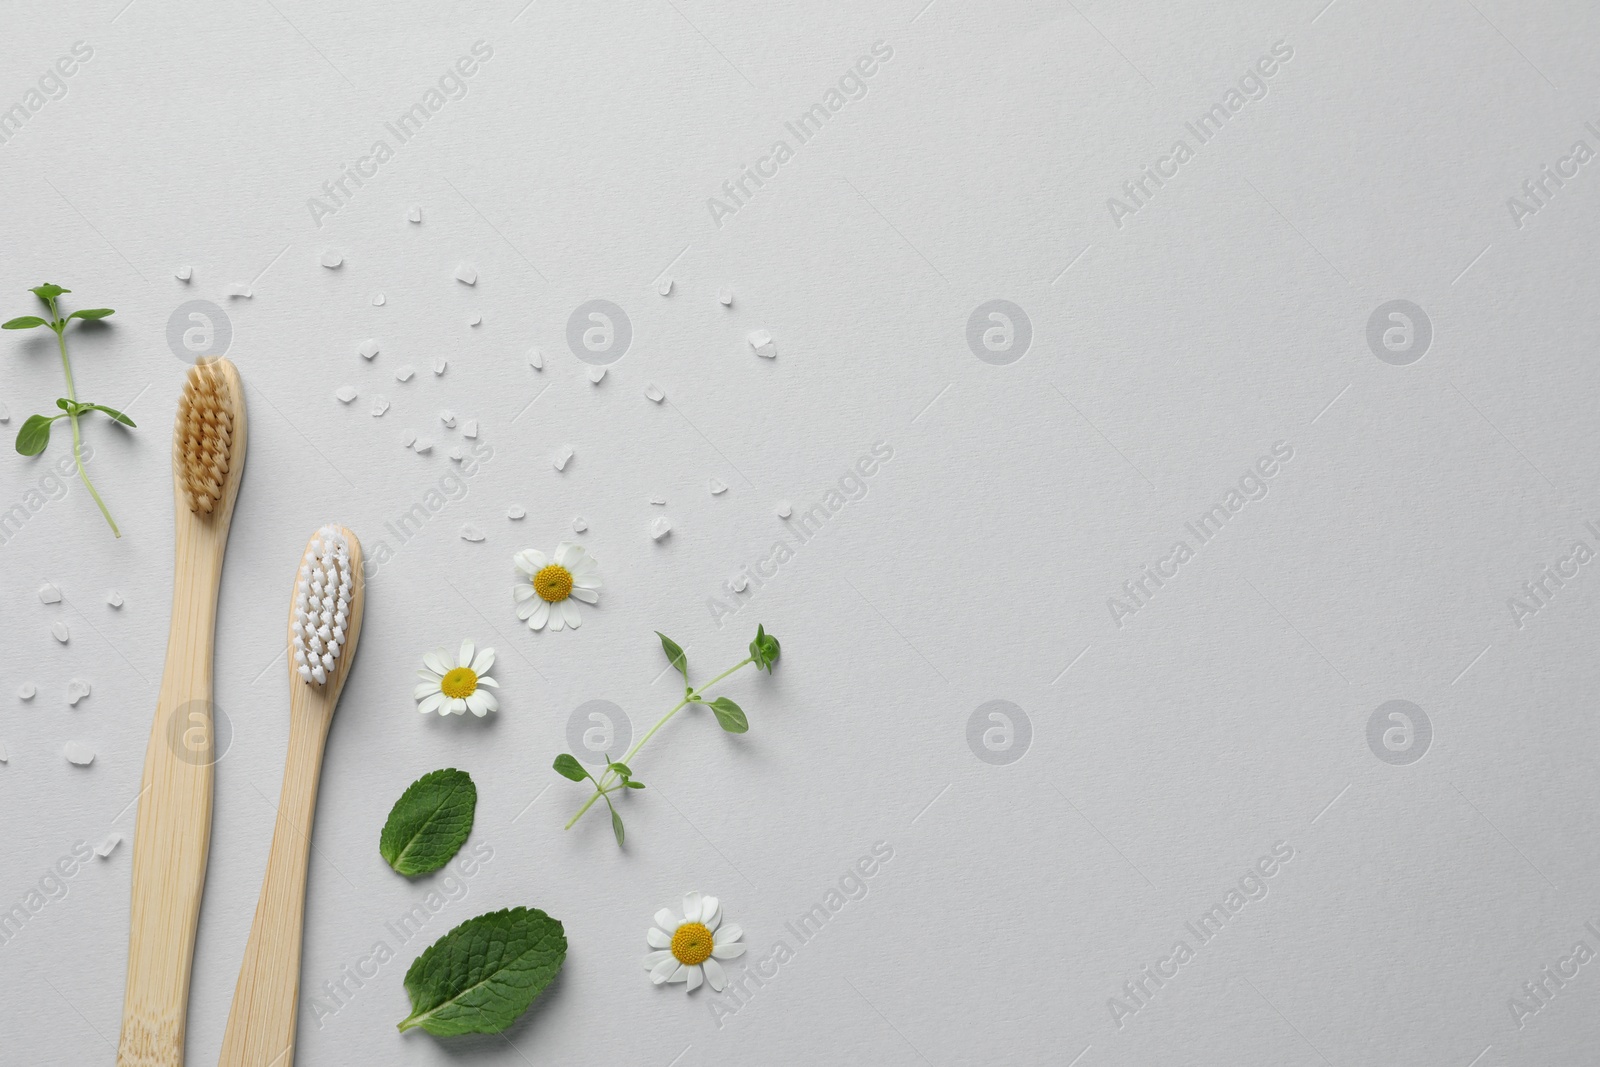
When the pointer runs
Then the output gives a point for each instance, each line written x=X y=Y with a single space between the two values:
x=205 y=437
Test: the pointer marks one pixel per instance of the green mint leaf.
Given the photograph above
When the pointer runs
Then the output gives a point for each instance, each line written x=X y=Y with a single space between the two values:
x=25 y=322
x=113 y=412
x=91 y=313
x=616 y=826
x=764 y=650
x=48 y=291
x=34 y=435
x=481 y=976
x=675 y=655
x=429 y=822
x=568 y=767
x=729 y=716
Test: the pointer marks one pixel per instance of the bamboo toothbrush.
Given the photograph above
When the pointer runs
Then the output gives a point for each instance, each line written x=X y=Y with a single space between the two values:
x=173 y=833
x=324 y=626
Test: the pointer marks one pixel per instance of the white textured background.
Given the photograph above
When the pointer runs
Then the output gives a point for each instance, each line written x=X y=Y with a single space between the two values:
x=1166 y=755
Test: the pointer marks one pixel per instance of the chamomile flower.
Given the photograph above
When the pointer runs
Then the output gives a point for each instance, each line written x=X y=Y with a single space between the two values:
x=459 y=687
x=687 y=949
x=548 y=586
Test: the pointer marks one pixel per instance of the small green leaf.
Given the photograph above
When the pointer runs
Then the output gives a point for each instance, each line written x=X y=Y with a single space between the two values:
x=631 y=784
x=764 y=650
x=481 y=976
x=568 y=767
x=675 y=655
x=26 y=322
x=616 y=826
x=34 y=435
x=48 y=291
x=91 y=313
x=729 y=716
x=429 y=823
x=113 y=412
x=620 y=768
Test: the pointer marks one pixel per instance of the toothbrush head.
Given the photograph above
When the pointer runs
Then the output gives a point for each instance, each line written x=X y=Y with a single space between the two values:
x=325 y=601
x=208 y=440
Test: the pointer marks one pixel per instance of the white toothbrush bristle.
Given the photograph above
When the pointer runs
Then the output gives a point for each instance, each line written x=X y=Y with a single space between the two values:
x=321 y=606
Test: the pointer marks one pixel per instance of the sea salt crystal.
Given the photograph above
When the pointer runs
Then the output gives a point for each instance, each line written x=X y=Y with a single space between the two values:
x=183 y=274
x=114 y=598
x=5 y=757
x=467 y=274
x=77 y=689
x=5 y=413
x=660 y=528
x=562 y=457
x=654 y=394
x=439 y=365
x=725 y=296
x=447 y=417
x=580 y=524
x=740 y=584
x=409 y=439
x=423 y=446
x=379 y=406
x=415 y=215
x=369 y=348
x=470 y=532
x=27 y=691
x=718 y=487
x=476 y=320
x=458 y=453
x=665 y=287
x=345 y=393
x=660 y=500
x=108 y=846
x=59 y=631
x=331 y=259
x=78 y=753
x=515 y=511
x=535 y=359
x=784 y=509
x=404 y=373
x=377 y=300
x=49 y=594
x=469 y=429
x=241 y=290
x=597 y=374
x=761 y=341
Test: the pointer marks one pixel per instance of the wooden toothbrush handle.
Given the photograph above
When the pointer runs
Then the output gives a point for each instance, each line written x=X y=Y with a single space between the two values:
x=261 y=1022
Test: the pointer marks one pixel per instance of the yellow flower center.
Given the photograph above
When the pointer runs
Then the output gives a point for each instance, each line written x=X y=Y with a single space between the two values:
x=553 y=583
x=459 y=683
x=692 y=944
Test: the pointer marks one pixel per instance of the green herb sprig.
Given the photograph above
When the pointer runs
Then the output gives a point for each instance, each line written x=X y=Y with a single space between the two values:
x=35 y=433
x=618 y=775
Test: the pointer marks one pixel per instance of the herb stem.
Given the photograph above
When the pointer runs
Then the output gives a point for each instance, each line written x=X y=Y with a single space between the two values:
x=692 y=696
x=59 y=325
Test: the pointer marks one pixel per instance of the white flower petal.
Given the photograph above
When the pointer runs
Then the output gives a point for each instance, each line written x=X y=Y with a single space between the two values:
x=710 y=912
x=728 y=952
x=565 y=553
x=730 y=933
x=539 y=616
x=695 y=977
x=569 y=611
x=464 y=659
x=484 y=679
x=526 y=609
x=557 y=619
x=668 y=921
x=483 y=661
x=531 y=560
x=458 y=706
x=651 y=959
x=588 y=596
x=424 y=689
x=436 y=662
x=430 y=676
x=479 y=703
x=431 y=703
x=681 y=974
x=657 y=937
x=663 y=971
x=714 y=974
x=590 y=580
x=691 y=907
x=522 y=591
